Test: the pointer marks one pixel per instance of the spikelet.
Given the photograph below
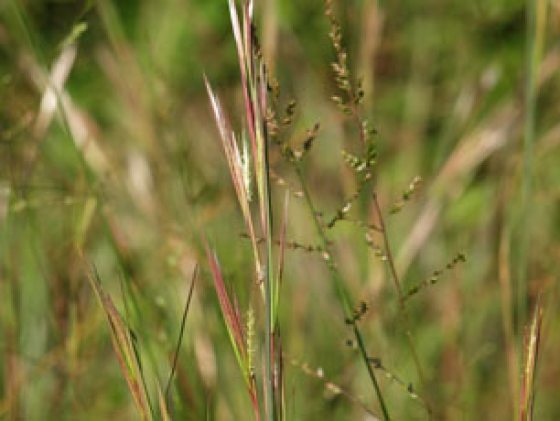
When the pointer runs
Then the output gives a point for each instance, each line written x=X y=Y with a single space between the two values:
x=406 y=195
x=250 y=338
x=434 y=278
x=246 y=165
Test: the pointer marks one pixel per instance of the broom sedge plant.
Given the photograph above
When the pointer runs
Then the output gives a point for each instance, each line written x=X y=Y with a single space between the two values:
x=263 y=130
x=254 y=86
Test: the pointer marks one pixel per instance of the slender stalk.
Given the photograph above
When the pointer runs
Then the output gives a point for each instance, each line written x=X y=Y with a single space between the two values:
x=532 y=344
x=403 y=312
x=269 y=290
x=536 y=19
x=398 y=287
x=504 y=278
x=181 y=334
x=343 y=294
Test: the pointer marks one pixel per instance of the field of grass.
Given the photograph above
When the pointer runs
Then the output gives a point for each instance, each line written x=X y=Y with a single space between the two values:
x=352 y=213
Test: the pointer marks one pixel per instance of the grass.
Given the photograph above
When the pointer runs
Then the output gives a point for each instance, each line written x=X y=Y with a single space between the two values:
x=367 y=201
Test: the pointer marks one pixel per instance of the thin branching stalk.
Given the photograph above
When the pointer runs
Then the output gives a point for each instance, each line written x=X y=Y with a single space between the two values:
x=401 y=297
x=342 y=293
x=331 y=386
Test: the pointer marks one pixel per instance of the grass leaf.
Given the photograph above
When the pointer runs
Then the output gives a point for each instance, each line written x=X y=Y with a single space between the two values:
x=231 y=317
x=532 y=341
x=123 y=346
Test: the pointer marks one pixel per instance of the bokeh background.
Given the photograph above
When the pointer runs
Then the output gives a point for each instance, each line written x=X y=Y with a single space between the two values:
x=107 y=145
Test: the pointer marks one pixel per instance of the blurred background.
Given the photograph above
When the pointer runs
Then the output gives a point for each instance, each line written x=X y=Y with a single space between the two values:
x=108 y=145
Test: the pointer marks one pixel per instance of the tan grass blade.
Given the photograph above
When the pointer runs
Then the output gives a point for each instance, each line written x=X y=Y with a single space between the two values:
x=490 y=136
x=236 y=168
x=52 y=88
x=163 y=410
x=254 y=94
x=123 y=347
x=55 y=85
x=233 y=324
x=532 y=341
x=232 y=317
x=471 y=151
x=244 y=54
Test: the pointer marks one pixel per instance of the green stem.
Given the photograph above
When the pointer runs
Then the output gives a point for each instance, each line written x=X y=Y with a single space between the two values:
x=269 y=291
x=535 y=41
x=343 y=294
x=398 y=287
x=401 y=298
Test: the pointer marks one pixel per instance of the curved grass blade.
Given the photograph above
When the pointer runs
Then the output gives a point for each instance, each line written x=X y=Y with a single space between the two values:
x=123 y=346
x=181 y=333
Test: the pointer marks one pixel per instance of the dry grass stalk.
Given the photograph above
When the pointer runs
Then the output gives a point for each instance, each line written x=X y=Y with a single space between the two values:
x=237 y=170
x=532 y=341
x=234 y=326
x=124 y=348
x=254 y=87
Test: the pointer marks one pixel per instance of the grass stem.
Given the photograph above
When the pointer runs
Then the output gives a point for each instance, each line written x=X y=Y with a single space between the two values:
x=343 y=294
x=181 y=334
x=269 y=290
x=398 y=287
x=536 y=23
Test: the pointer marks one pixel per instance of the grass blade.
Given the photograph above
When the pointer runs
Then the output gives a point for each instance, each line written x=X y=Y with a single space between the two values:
x=123 y=346
x=236 y=167
x=536 y=32
x=532 y=341
x=231 y=316
x=163 y=408
x=181 y=332
x=233 y=323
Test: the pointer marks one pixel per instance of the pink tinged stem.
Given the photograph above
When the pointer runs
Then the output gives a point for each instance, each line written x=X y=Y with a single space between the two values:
x=232 y=317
